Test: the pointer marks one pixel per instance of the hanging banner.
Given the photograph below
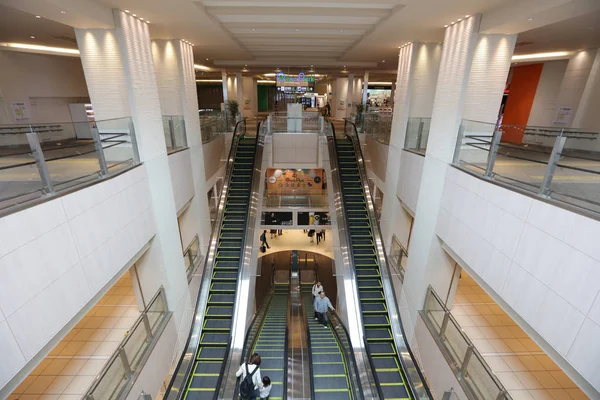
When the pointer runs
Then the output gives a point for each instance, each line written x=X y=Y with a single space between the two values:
x=295 y=181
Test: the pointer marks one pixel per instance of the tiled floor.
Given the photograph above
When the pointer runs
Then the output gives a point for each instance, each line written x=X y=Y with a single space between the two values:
x=67 y=372
x=296 y=239
x=522 y=367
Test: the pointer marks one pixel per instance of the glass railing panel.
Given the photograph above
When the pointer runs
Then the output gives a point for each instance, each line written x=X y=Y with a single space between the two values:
x=475 y=140
x=191 y=256
x=455 y=341
x=377 y=125
x=417 y=134
x=214 y=123
x=156 y=312
x=135 y=343
x=118 y=143
x=114 y=379
x=19 y=175
x=481 y=379
x=174 y=130
x=435 y=311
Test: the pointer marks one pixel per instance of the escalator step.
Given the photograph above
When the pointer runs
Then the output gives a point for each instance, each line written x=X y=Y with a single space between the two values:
x=385 y=363
x=394 y=392
x=371 y=295
x=217 y=324
x=276 y=391
x=389 y=376
x=375 y=307
x=221 y=298
x=207 y=394
x=333 y=396
x=214 y=339
x=208 y=367
x=381 y=349
x=205 y=381
x=323 y=369
x=328 y=383
x=369 y=283
x=225 y=275
x=378 y=334
x=211 y=353
x=219 y=311
x=327 y=358
x=223 y=286
x=375 y=320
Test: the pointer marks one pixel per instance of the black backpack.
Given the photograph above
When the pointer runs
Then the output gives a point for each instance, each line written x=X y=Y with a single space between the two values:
x=247 y=386
x=263 y=237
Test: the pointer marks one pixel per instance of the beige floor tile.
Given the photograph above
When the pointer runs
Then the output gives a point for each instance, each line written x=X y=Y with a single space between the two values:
x=484 y=346
x=104 y=311
x=497 y=364
x=496 y=309
x=39 y=385
x=518 y=332
x=479 y=320
x=125 y=322
x=504 y=332
x=99 y=335
x=88 y=349
x=473 y=298
x=128 y=299
x=112 y=300
x=563 y=380
x=59 y=384
x=94 y=322
x=49 y=397
x=56 y=366
x=520 y=395
x=547 y=380
x=530 y=345
x=493 y=320
x=106 y=349
x=109 y=322
x=547 y=362
x=531 y=363
x=70 y=397
x=577 y=394
x=540 y=395
x=132 y=312
x=79 y=385
x=69 y=336
x=28 y=397
x=510 y=381
x=488 y=332
x=41 y=367
x=516 y=345
x=115 y=335
x=505 y=319
x=83 y=335
x=473 y=332
x=464 y=320
x=529 y=380
x=460 y=299
x=514 y=363
x=118 y=311
x=500 y=345
x=483 y=309
x=92 y=367
x=24 y=385
x=57 y=349
x=73 y=366
x=485 y=298
x=558 y=394
x=71 y=348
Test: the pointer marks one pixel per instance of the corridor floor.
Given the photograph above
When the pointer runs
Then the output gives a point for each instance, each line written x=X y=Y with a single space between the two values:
x=67 y=372
x=521 y=365
x=296 y=239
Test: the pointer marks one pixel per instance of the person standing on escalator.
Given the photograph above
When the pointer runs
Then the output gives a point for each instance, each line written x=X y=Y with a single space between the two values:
x=316 y=289
x=251 y=381
x=322 y=303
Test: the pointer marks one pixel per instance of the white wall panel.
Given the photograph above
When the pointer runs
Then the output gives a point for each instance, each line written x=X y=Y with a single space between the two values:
x=540 y=259
x=215 y=154
x=295 y=148
x=543 y=109
x=409 y=179
x=56 y=256
x=424 y=78
x=180 y=165
x=166 y=66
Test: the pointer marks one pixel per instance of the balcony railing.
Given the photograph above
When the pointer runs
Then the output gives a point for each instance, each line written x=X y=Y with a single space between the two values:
x=471 y=370
x=116 y=379
x=214 y=124
x=192 y=257
x=175 y=136
x=378 y=125
x=310 y=122
x=399 y=258
x=417 y=134
x=554 y=168
x=41 y=160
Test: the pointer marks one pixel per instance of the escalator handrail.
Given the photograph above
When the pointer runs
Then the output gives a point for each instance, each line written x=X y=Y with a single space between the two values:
x=177 y=385
x=310 y=362
x=369 y=384
x=236 y=303
x=410 y=365
x=247 y=239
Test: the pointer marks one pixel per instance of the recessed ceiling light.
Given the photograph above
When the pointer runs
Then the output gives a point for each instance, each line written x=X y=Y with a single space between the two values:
x=207 y=59
x=147 y=22
x=341 y=30
x=142 y=19
x=135 y=15
x=32 y=37
x=38 y=17
x=445 y=26
x=297 y=30
x=383 y=61
x=530 y=19
x=460 y=19
x=253 y=29
x=63 y=12
x=467 y=16
x=452 y=23
x=127 y=11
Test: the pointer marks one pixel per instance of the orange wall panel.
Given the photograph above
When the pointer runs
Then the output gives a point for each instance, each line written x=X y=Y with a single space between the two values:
x=523 y=86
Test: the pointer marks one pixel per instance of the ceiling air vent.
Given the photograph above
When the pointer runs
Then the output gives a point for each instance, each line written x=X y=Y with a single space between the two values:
x=66 y=39
x=520 y=44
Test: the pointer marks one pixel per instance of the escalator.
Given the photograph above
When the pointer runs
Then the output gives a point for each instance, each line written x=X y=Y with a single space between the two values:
x=271 y=342
x=391 y=379
x=330 y=374
x=201 y=367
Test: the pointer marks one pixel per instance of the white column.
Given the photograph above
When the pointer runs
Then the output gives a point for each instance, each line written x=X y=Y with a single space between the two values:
x=365 y=87
x=349 y=95
x=225 y=94
x=239 y=91
x=119 y=70
x=427 y=263
x=587 y=116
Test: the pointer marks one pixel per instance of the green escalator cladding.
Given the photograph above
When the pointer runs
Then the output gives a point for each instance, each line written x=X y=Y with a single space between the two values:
x=377 y=328
x=271 y=343
x=215 y=334
x=328 y=365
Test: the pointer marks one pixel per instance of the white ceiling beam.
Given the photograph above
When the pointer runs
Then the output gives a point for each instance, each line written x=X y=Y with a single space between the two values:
x=295 y=63
x=302 y=19
x=308 y=5
x=77 y=13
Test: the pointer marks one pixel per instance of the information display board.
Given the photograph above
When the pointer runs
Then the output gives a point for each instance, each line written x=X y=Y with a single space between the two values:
x=295 y=181
x=280 y=218
x=308 y=218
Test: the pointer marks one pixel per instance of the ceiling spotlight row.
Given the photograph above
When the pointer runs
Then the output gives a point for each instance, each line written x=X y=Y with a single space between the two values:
x=190 y=43
x=135 y=15
x=404 y=45
x=454 y=22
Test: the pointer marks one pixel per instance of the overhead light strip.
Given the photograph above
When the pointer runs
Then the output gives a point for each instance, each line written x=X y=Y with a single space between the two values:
x=39 y=48
x=554 y=54
x=210 y=80
x=201 y=67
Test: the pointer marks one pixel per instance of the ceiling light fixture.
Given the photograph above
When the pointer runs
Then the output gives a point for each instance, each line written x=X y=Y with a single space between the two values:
x=127 y=11
x=445 y=26
x=460 y=19
x=382 y=60
x=40 y=49
x=135 y=15
x=297 y=30
x=32 y=37
x=467 y=16
x=529 y=19
x=452 y=23
x=38 y=17
x=149 y=22
x=63 y=12
x=553 y=54
x=142 y=19
x=265 y=81
x=209 y=80
x=201 y=67
x=253 y=29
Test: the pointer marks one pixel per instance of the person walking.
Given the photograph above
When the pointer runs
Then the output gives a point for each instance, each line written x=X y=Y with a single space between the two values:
x=316 y=289
x=251 y=380
x=263 y=239
x=311 y=235
x=328 y=107
x=322 y=303
x=323 y=234
x=319 y=236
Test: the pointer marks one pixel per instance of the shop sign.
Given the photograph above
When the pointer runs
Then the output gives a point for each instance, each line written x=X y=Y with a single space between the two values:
x=301 y=77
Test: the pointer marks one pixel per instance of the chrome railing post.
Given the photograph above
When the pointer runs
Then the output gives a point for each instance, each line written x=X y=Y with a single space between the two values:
x=172 y=133
x=461 y=132
x=147 y=324
x=559 y=144
x=502 y=395
x=466 y=359
x=125 y=362
x=99 y=152
x=136 y=151
x=494 y=146
x=40 y=161
x=444 y=324
x=419 y=135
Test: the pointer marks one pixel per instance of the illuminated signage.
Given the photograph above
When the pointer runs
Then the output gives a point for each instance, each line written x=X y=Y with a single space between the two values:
x=300 y=78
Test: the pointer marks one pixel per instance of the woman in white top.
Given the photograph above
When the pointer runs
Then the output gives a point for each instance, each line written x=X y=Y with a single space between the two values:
x=253 y=364
x=316 y=289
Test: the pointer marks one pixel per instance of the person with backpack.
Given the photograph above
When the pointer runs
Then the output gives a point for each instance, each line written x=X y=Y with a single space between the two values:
x=316 y=289
x=251 y=380
x=263 y=241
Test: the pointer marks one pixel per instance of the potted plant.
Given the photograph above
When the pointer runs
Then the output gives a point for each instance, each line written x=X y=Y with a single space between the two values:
x=234 y=109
